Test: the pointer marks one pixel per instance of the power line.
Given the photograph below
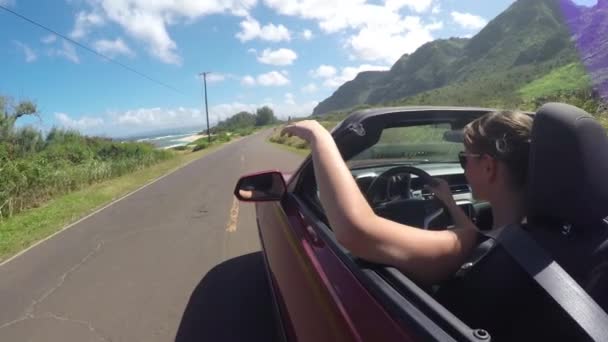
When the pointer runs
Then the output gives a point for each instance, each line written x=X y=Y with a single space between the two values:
x=91 y=50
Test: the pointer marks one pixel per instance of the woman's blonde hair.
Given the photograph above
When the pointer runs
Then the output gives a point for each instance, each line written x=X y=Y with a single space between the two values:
x=504 y=135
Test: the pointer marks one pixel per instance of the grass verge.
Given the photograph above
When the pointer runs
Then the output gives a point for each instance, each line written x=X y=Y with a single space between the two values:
x=295 y=144
x=25 y=229
x=301 y=151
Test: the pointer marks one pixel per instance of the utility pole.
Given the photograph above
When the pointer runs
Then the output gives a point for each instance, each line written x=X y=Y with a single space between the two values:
x=204 y=73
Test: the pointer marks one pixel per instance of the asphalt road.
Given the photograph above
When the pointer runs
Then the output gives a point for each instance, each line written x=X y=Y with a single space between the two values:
x=169 y=257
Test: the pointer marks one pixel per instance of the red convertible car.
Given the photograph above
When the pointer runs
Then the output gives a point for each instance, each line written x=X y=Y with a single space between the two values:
x=545 y=281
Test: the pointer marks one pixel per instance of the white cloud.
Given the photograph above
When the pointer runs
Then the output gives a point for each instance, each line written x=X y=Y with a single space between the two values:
x=333 y=17
x=66 y=51
x=251 y=29
x=323 y=71
x=216 y=77
x=248 y=80
x=277 y=57
x=436 y=9
x=281 y=110
x=468 y=20
x=140 y=120
x=51 y=38
x=418 y=6
x=389 y=43
x=438 y=25
x=84 y=23
x=154 y=118
x=289 y=99
x=269 y=79
x=381 y=32
x=30 y=55
x=147 y=21
x=7 y=3
x=272 y=79
x=113 y=48
x=309 y=88
x=82 y=124
x=135 y=121
x=225 y=110
x=307 y=34
x=331 y=14
x=332 y=79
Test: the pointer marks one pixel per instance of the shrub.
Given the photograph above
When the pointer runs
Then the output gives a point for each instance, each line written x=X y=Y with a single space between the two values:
x=200 y=146
x=34 y=171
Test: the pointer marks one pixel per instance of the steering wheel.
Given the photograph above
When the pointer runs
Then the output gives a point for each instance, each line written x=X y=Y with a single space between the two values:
x=405 y=210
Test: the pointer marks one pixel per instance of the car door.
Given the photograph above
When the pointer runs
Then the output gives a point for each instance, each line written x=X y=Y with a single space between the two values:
x=308 y=309
x=322 y=299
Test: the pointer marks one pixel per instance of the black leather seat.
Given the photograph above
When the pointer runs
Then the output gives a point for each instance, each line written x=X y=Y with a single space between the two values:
x=568 y=201
x=568 y=194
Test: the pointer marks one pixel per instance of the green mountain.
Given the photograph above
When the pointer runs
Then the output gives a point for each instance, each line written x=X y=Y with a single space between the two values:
x=352 y=93
x=523 y=44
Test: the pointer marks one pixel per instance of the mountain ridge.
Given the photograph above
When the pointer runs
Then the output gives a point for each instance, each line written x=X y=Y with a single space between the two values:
x=523 y=43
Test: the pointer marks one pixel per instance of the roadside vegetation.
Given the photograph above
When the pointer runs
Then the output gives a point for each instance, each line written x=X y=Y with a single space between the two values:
x=296 y=144
x=238 y=125
x=35 y=168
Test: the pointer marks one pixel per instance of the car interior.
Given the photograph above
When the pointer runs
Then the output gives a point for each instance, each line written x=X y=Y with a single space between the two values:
x=568 y=205
x=568 y=210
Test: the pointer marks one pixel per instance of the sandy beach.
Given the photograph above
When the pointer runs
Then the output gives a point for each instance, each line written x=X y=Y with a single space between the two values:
x=192 y=138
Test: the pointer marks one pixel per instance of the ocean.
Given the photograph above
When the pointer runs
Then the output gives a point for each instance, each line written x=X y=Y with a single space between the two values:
x=166 y=139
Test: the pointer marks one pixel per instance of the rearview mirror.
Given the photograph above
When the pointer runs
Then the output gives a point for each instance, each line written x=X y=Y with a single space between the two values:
x=455 y=136
x=261 y=187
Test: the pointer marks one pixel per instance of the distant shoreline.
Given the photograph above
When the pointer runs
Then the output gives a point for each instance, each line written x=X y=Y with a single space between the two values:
x=185 y=140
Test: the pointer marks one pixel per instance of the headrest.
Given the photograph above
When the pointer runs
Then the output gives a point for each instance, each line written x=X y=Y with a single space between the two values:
x=568 y=170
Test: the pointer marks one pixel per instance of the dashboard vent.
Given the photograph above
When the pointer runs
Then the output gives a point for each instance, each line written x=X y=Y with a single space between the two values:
x=460 y=188
x=456 y=189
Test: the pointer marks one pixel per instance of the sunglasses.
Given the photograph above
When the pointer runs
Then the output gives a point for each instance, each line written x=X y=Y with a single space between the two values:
x=462 y=158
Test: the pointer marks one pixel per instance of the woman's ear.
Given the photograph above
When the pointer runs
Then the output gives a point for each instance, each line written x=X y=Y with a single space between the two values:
x=490 y=168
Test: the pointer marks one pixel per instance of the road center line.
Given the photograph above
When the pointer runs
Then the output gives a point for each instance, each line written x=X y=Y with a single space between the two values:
x=234 y=214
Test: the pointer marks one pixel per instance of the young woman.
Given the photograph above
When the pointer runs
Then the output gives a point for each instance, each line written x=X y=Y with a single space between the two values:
x=495 y=159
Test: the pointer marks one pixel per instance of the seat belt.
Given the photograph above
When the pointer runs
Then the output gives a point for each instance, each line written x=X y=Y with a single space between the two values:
x=555 y=281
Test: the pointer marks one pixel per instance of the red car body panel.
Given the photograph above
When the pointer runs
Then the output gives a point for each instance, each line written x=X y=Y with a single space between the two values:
x=321 y=298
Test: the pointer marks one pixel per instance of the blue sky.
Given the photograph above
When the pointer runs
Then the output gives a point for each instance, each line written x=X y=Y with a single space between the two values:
x=289 y=54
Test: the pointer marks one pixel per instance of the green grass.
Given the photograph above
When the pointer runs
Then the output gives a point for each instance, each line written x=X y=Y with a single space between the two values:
x=567 y=78
x=294 y=142
x=21 y=231
x=301 y=151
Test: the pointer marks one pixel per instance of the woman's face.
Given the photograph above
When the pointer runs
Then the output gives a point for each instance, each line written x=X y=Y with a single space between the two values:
x=476 y=172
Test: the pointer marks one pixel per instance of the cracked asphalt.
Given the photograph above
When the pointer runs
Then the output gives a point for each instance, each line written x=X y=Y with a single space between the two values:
x=129 y=272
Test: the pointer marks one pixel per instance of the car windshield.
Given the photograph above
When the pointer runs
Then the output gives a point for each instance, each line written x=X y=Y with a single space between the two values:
x=415 y=144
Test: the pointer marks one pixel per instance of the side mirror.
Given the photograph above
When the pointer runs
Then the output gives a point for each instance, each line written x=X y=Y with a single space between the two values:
x=261 y=187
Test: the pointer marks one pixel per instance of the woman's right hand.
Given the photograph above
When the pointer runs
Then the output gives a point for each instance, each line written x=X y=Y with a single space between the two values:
x=306 y=130
x=441 y=189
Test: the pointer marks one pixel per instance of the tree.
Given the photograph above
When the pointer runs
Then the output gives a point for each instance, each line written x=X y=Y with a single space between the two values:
x=264 y=116
x=8 y=118
x=238 y=121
